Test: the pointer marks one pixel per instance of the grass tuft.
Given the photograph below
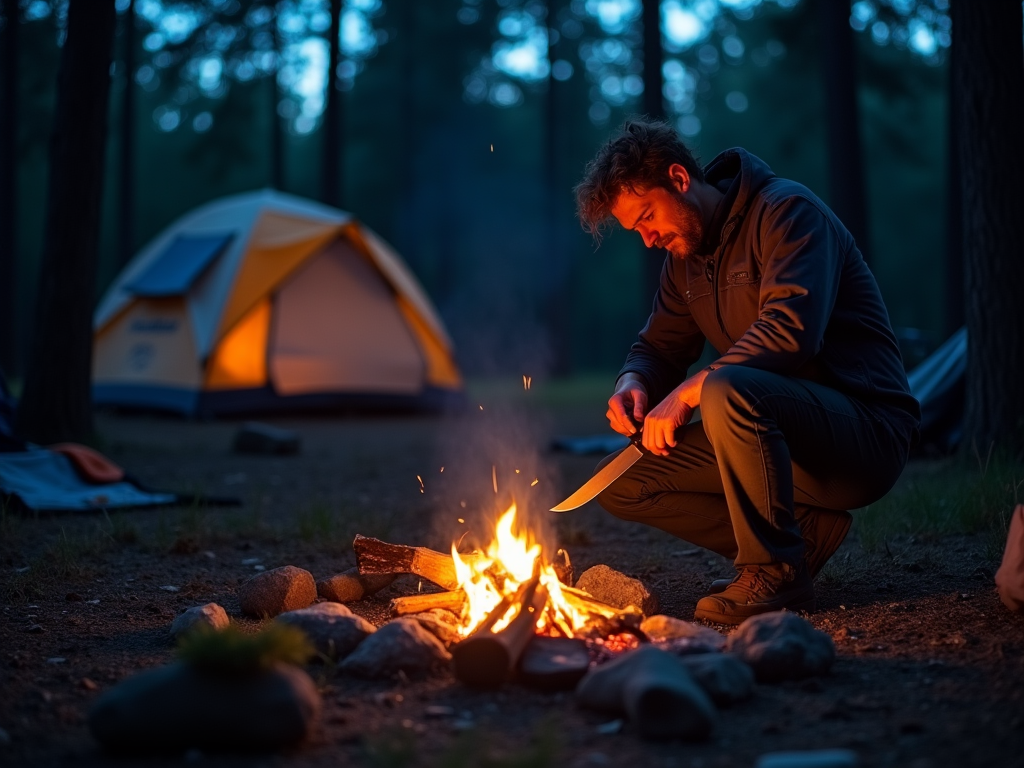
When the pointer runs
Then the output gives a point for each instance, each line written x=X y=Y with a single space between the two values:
x=231 y=651
x=959 y=496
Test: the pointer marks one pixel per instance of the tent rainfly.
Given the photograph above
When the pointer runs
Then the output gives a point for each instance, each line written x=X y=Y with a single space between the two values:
x=264 y=301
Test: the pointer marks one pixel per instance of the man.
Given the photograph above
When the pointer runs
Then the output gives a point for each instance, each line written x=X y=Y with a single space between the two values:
x=805 y=414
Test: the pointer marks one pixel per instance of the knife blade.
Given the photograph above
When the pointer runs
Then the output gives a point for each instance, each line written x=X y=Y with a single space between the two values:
x=607 y=475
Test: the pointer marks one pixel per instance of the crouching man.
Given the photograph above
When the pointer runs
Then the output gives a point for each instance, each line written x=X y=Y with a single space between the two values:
x=805 y=414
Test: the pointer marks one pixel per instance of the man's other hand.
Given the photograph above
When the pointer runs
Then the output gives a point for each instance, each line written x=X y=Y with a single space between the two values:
x=662 y=422
x=626 y=408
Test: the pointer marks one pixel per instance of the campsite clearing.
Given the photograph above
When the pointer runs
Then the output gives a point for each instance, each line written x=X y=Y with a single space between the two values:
x=930 y=670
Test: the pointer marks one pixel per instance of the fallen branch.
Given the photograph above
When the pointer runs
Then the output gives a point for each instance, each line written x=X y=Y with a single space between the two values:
x=407 y=604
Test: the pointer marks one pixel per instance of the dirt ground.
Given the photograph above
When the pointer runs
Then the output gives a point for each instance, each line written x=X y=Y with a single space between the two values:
x=930 y=669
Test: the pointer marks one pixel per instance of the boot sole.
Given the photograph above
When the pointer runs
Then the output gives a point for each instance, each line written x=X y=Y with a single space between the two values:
x=808 y=604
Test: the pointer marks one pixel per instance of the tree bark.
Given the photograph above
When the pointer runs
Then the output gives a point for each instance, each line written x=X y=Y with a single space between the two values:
x=988 y=83
x=954 y=289
x=845 y=155
x=8 y=186
x=332 y=179
x=654 y=108
x=126 y=187
x=57 y=403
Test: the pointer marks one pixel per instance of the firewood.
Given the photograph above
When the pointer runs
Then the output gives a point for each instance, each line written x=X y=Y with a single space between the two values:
x=451 y=601
x=584 y=602
x=487 y=658
x=374 y=556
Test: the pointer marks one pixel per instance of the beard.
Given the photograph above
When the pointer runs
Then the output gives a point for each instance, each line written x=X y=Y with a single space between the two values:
x=688 y=229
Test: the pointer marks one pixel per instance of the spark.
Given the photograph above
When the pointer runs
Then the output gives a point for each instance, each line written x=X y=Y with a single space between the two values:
x=517 y=471
x=492 y=147
x=481 y=407
x=535 y=481
x=494 y=478
x=527 y=381
x=462 y=504
x=421 y=483
x=461 y=520
x=442 y=469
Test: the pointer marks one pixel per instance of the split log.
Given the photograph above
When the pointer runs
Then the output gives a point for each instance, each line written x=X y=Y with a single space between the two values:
x=350 y=585
x=586 y=603
x=487 y=658
x=374 y=556
x=407 y=604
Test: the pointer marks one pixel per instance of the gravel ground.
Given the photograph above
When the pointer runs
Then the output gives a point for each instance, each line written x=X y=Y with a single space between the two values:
x=929 y=673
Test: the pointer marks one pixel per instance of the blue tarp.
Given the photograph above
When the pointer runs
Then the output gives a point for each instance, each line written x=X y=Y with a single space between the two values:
x=939 y=384
x=45 y=481
x=179 y=265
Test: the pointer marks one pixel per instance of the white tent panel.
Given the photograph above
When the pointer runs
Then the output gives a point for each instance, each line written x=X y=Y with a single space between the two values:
x=337 y=327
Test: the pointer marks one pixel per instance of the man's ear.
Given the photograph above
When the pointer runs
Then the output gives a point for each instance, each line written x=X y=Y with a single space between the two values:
x=679 y=178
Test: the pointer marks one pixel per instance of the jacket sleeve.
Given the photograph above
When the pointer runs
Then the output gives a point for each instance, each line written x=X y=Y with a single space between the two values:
x=802 y=261
x=670 y=342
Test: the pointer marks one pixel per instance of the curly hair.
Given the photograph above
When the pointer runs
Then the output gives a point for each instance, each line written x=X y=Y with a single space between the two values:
x=636 y=158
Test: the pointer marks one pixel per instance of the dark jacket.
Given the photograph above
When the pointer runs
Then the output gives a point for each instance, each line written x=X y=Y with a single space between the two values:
x=779 y=285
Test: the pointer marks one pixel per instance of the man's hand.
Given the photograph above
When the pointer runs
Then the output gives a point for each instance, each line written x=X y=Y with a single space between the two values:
x=670 y=414
x=627 y=406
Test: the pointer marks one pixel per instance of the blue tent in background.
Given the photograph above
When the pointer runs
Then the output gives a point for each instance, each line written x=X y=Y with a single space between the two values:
x=939 y=384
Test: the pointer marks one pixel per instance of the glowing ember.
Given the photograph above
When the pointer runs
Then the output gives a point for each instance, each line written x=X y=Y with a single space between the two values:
x=510 y=560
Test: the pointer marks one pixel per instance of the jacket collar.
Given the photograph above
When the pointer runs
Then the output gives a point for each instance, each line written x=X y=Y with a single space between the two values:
x=738 y=175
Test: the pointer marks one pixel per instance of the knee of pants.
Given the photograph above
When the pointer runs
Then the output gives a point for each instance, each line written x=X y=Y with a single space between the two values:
x=727 y=394
x=621 y=501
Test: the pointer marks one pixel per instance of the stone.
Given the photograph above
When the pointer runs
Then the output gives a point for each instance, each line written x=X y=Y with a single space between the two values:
x=256 y=438
x=332 y=629
x=654 y=690
x=210 y=616
x=782 y=646
x=401 y=645
x=349 y=586
x=817 y=758
x=553 y=663
x=723 y=676
x=616 y=589
x=442 y=624
x=276 y=591
x=178 y=707
x=680 y=636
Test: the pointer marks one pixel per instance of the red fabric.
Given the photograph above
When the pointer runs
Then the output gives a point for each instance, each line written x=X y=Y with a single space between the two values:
x=1010 y=576
x=92 y=465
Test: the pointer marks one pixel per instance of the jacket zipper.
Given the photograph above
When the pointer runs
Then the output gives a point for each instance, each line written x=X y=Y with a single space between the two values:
x=712 y=269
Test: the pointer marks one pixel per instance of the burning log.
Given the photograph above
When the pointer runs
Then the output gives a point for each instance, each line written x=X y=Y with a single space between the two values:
x=408 y=604
x=487 y=658
x=374 y=556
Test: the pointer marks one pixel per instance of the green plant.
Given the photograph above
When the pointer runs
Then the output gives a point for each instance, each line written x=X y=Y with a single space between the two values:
x=231 y=651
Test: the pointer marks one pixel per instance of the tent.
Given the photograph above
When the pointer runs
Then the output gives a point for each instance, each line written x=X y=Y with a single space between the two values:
x=939 y=384
x=264 y=301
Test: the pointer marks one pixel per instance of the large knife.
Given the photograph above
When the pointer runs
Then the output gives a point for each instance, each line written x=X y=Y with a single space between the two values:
x=607 y=475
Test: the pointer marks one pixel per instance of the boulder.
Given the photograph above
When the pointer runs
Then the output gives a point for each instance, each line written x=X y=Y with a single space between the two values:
x=276 y=591
x=723 y=676
x=616 y=589
x=654 y=690
x=210 y=616
x=178 y=707
x=349 y=586
x=401 y=645
x=782 y=646
x=333 y=630
x=682 y=636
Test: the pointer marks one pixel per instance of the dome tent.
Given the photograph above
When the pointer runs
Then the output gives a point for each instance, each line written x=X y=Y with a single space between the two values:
x=265 y=301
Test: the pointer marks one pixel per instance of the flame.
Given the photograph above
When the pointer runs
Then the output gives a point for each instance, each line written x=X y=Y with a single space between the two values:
x=510 y=560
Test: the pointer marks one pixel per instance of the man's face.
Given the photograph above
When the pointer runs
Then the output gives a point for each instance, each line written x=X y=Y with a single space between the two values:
x=664 y=218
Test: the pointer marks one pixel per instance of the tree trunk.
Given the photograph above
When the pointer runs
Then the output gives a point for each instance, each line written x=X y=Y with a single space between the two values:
x=276 y=134
x=126 y=188
x=988 y=80
x=654 y=108
x=845 y=157
x=954 y=289
x=9 y=186
x=57 y=404
x=332 y=179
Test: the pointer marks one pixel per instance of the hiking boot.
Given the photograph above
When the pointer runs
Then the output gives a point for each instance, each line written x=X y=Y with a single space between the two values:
x=758 y=589
x=823 y=530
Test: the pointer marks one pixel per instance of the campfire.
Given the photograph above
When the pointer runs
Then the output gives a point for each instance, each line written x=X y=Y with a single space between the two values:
x=507 y=598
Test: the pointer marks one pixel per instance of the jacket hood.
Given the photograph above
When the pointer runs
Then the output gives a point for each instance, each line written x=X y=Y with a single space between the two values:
x=739 y=175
